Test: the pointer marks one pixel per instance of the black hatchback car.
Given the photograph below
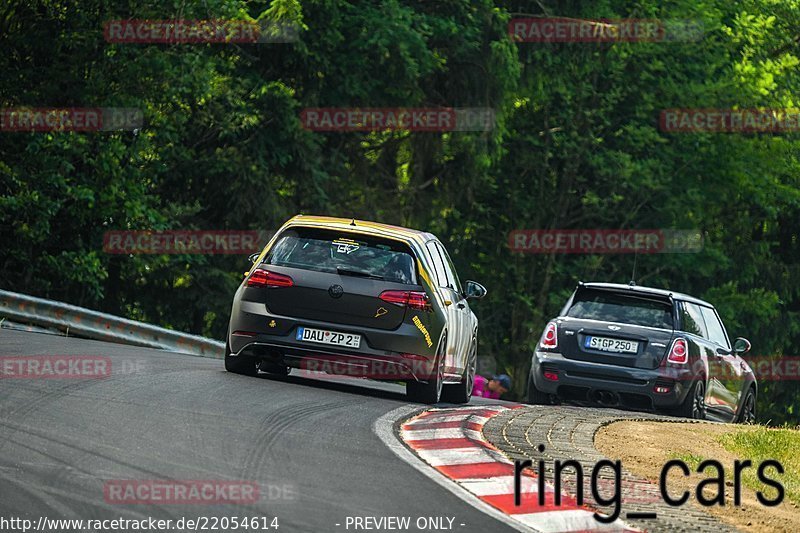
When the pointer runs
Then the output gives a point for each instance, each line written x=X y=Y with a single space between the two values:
x=360 y=299
x=646 y=349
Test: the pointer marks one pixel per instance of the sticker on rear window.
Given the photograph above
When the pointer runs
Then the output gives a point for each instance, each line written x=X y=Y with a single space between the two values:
x=346 y=246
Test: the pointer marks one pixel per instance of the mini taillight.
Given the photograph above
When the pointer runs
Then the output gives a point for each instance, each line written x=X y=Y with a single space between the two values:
x=679 y=353
x=550 y=375
x=413 y=299
x=265 y=278
x=550 y=337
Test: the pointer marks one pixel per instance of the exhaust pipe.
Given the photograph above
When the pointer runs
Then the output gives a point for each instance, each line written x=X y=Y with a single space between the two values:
x=606 y=398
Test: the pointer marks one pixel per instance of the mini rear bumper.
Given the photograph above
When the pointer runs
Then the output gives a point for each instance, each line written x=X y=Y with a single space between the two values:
x=611 y=385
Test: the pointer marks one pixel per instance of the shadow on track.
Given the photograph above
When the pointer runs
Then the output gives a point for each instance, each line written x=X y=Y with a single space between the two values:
x=358 y=386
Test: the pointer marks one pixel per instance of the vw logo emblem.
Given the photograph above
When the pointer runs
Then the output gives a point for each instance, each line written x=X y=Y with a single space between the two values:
x=614 y=328
x=336 y=291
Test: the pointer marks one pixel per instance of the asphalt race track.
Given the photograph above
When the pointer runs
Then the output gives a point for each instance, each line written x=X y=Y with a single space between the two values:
x=308 y=443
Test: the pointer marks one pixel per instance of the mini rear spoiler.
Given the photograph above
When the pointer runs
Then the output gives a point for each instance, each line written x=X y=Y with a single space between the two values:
x=670 y=296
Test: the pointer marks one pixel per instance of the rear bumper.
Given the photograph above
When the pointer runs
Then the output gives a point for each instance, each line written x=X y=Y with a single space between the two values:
x=392 y=367
x=611 y=385
x=399 y=354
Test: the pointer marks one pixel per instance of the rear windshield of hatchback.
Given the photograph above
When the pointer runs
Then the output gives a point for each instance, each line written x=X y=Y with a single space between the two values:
x=347 y=253
x=625 y=309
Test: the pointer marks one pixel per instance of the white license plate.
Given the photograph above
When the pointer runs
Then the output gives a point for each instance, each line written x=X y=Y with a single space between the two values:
x=611 y=345
x=322 y=336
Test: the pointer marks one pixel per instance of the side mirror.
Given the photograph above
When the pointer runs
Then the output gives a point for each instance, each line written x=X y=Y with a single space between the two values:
x=741 y=345
x=473 y=289
x=253 y=257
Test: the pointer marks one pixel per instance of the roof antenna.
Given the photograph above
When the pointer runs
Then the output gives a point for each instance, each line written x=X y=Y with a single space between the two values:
x=353 y=222
x=633 y=274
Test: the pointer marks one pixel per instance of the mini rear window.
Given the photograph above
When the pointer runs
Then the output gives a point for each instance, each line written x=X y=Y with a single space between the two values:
x=622 y=308
x=334 y=251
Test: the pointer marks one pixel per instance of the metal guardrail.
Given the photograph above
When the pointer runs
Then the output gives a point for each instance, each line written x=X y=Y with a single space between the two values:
x=101 y=326
x=7 y=324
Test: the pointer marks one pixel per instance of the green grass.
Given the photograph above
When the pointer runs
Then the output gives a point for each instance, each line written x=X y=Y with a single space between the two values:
x=691 y=460
x=760 y=444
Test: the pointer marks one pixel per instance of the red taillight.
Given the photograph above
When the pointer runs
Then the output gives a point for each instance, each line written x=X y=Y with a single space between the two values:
x=550 y=337
x=679 y=353
x=413 y=299
x=265 y=278
x=550 y=375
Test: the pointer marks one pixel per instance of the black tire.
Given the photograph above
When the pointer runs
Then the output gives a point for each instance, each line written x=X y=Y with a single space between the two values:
x=748 y=414
x=535 y=396
x=694 y=406
x=430 y=391
x=462 y=392
x=239 y=364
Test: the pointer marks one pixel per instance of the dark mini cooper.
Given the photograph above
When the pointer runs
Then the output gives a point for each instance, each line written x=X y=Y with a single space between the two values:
x=360 y=299
x=643 y=348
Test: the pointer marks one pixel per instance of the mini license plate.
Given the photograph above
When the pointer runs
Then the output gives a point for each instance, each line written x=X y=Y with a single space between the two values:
x=611 y=345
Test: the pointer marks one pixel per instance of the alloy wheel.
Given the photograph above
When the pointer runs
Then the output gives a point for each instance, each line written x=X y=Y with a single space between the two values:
x=440 y=370
x=699 y=401
x=471 y=365
x=750 y=410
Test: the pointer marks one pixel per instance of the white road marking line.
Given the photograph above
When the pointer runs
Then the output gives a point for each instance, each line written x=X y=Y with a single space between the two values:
x=474 y=435
x=461 y=456
x=498 y=485
x=449 y=418
x=568 y=520
x=444 y=433
x=432 y=434
x=491 y=409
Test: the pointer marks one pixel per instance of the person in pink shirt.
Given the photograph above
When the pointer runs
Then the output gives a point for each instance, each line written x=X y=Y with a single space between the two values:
x=491 y=388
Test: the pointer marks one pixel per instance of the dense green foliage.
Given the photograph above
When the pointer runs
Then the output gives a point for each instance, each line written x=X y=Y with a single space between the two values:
x=577 y=145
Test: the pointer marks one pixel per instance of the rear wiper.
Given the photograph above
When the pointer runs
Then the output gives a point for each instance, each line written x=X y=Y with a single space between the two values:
x=347 y=272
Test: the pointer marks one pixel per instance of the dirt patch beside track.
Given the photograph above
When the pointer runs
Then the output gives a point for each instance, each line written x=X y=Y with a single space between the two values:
x=645 y=446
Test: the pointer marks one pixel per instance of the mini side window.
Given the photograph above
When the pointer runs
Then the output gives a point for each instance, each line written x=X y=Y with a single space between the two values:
x=716 y=332
x=692 y=320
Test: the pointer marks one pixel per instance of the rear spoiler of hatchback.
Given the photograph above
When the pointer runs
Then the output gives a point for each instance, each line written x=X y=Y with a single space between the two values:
x=631 y=285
